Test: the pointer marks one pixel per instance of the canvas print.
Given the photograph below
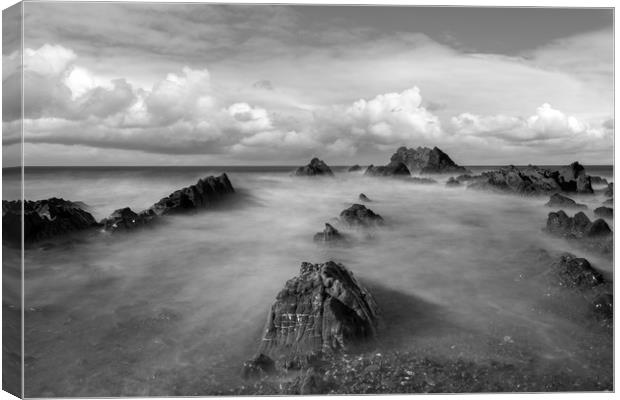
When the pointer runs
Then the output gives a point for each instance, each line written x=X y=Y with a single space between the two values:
x=253 y=199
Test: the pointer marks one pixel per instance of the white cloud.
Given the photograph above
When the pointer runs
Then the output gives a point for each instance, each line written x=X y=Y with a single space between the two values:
x=48 y=60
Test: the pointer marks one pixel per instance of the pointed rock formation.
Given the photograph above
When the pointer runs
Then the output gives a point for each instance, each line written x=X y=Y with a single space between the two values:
x=315 y=168
x=363 y=197
x=329 y=234
x=359 y=216
x=424 y=160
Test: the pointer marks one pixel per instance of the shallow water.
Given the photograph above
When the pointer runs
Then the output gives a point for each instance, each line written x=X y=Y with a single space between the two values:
x=176 y=309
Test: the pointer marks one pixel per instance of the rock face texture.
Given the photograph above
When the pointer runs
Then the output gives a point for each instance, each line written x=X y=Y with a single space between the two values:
x=354 y=168
x=532 y=180
x=329 y=234
x=359 y=216
x=43 y=219
x=558 y=200
x=392 y=169
x=604 y=212
x=315 y=168
x=594 y=235
x=322 y=310
x=207 y=192
x=424 y=160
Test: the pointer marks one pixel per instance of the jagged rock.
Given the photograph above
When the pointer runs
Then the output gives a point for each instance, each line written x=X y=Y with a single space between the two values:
x=396 y=169
x=359 y=215
x=577 y=272
x=558 y=200
x=597 y=180
x=423 y=181
x=532 y=180
x=424 y=160
x=354 y=168
x=315 y=168
x=363 y=197
x=125 y=219
x=329 y=234
x=322 y=310
x=610 y=190
x=453 y=182
x=594 y=235
x=604 y=212
x=609 y=202
x=258 y=366
x=43 y=219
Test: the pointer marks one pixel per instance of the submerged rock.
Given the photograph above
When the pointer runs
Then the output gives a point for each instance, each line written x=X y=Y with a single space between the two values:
x=354 y=168
x=425 y=160
x=594 y=235
x=43 y=219
x=359 y=215
x=329 y=234
x=363 y=197
x=604 y=212
x=424 y=181
x=453 y=182
x=393 y=169
x=322 y=310
x=558 y=200
x=315 y=168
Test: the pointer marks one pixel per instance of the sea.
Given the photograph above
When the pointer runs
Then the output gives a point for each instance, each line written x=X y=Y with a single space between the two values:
x=177 y=308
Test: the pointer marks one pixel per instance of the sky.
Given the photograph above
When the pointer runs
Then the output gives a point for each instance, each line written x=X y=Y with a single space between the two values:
x=206 y=84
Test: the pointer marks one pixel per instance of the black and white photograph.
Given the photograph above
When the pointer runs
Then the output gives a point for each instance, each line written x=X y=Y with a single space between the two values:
x=228 y=199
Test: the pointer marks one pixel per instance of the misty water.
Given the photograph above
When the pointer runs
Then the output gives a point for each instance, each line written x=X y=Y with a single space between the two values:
x=175 y=309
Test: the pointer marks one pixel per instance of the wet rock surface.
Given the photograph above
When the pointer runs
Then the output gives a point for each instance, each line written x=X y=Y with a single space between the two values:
x=43 y=219
x=558 y=200
x=316 y=167
x=321 y=311
x=359 y=216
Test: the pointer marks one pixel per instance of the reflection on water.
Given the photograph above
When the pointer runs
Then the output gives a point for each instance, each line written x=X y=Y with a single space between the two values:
x=175 y=310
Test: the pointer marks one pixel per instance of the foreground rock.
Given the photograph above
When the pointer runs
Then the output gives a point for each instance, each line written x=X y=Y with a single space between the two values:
x=558 y=200
x=359 y=216
x=604 y=212
x=424 y=160
x=354 y=168
x=323 y=310
x=206 y=193
x=329 y=234
x=593 y=235
x=392 y=169
x=43 y=219
x=577 y=273
x=532 y=180
x=315 y=168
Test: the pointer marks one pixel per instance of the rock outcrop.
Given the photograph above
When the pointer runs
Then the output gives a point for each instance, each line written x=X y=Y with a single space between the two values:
x=43 y=219
x=329 y=234
x=610 y=190
x=597 y=180
x=593 y=235
x=604 y=212
x=315 y=168
x=354 y=168
x=532 y=180
x=359 y=216
x=393 y=169
x=453 y=182
x=558 y=200
x=206 y=193
x=363 y=197
x=424 y=160
x=322 y=310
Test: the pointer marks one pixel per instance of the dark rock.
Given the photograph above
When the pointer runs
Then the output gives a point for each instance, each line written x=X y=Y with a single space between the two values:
x=312 y=382
x=609 y=202
x=258 y=366
x=423 y=181
x=363 y=197
x=610 y=190
x=322 y=310
x=453 y=182
x=597 y=180
x=315 y=168
x=396 y=169
x=424 y=160
x=604 y=212
x=329 y=234
x=596 y=236
x=354 y=168
x=577 y=272
x=558 y=200
x=464 y=178
x=359 y=215
x=125 y=219
x=43 y=219
x=533 y=180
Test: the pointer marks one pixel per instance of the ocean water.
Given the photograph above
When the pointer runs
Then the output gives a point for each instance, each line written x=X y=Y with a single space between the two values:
x=177 y=308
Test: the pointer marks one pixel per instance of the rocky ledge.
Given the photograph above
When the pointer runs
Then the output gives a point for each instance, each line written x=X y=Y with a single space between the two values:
x=593 y=235
x=323 y=310
x=558 y=200
x=315 y=168
x=43 y=219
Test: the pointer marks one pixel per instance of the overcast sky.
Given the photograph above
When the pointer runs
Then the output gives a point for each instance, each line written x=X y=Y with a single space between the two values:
x=123 y=83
